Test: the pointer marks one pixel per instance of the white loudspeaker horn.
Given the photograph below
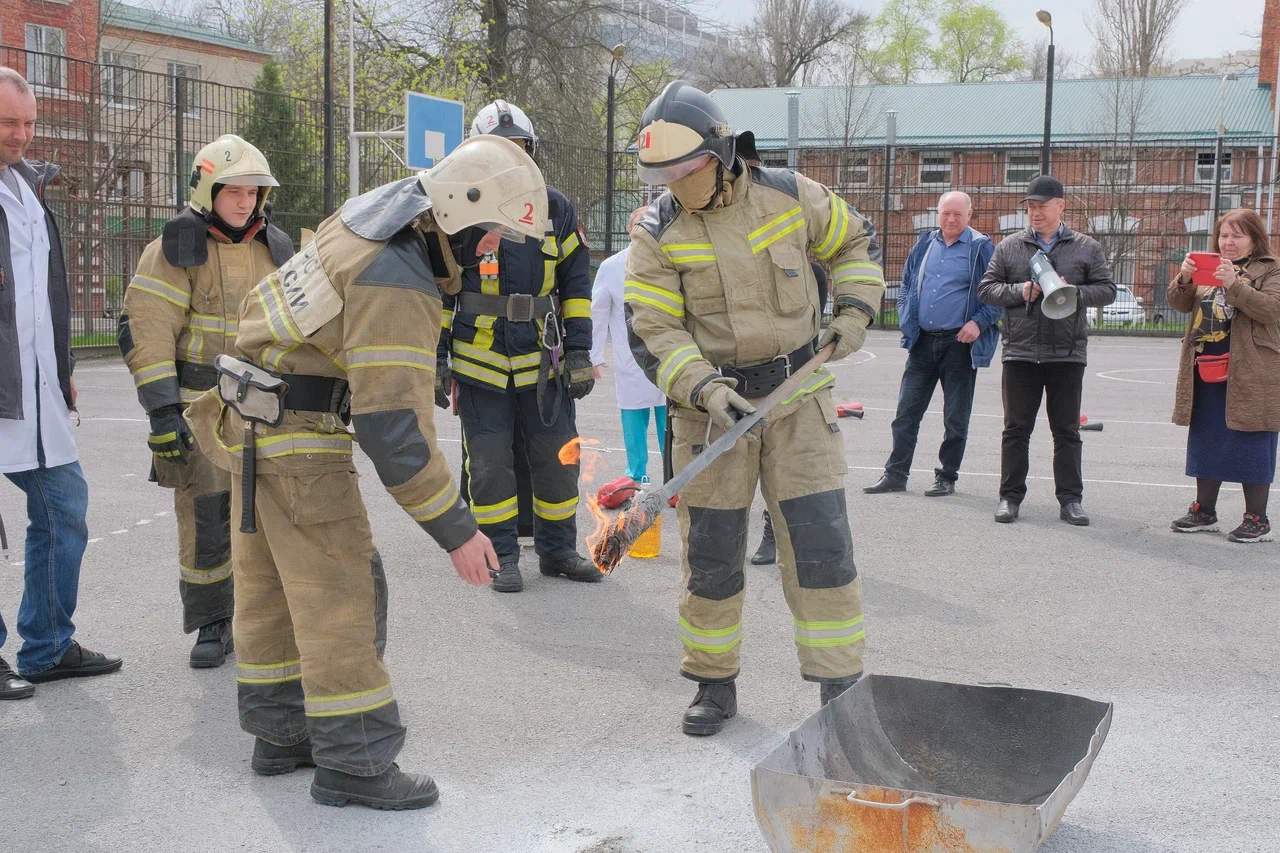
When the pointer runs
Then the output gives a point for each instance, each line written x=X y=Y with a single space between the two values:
x=1058 y=301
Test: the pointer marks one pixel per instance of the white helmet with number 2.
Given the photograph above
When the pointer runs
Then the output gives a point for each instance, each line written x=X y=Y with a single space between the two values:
x=486 y=183
x=505 y=120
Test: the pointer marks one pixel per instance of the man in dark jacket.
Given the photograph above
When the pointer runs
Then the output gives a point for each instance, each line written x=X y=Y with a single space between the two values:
x=37 y=397
x=1044 y=357
x=949 y=334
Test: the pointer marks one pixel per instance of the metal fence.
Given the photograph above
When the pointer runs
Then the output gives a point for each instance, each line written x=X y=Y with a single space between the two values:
x=126 y=139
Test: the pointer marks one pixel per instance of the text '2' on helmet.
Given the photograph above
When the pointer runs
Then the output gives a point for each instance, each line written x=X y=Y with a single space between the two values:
x=508 y=121
x=490 y=184
x=232 y=161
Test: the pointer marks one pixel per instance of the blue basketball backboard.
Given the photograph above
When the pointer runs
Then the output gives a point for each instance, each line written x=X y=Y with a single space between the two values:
x=433 y=128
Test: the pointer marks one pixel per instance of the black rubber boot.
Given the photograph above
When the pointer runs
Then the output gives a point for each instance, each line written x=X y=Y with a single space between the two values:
x=712 y=706
x=508 y=579
x=834 y=689
x=392 y=789
x=575 y=567
x=767 y=553
x=272 y=760
x=213 y=644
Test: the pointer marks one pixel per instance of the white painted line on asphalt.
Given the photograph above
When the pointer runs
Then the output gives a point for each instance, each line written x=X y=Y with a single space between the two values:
x=880 y=468
x=1106 y=374
x=162 y=513
x=122 y=420
x=866 y=352
x=118 y=532
x=1038 y=420
x=95 y=539
x=143 y=521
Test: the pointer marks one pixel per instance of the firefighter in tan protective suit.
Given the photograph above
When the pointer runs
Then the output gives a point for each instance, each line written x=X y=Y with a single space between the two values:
x=722 y=307
x=179 y=314
x=347 y=330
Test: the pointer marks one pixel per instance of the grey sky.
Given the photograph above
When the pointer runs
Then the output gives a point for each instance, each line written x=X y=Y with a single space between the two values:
x=1207 y=27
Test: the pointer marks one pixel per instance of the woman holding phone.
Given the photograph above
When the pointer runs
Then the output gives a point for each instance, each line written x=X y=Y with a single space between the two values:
x=1229 y=377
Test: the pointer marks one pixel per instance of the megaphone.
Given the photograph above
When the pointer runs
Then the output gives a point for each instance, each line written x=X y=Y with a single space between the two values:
x=1059 y=300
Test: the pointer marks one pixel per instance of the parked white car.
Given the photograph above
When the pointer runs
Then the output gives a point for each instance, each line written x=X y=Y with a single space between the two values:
x=1127 y=310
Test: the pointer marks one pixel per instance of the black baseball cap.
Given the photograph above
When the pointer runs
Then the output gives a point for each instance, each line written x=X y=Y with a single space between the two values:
x=1043 y=188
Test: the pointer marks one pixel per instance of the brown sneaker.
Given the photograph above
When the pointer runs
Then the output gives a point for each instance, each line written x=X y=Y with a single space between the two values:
x=1254 y=528
x=1196 y=521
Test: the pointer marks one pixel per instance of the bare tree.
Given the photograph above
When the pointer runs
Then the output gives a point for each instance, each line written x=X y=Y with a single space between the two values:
x=1036 y=59
x=793 y=34
x=1133 y=36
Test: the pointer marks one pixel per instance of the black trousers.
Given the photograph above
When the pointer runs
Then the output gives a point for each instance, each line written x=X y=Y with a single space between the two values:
x=1022 y=386
x=524 y=483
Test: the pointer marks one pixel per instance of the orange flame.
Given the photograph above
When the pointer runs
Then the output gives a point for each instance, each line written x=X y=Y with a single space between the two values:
x=571 y=454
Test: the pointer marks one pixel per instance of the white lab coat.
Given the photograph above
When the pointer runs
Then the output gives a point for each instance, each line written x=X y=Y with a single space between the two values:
x=608 y=321
x=29 y=250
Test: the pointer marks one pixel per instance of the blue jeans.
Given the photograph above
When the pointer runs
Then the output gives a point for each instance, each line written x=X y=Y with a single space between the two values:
x=57 y=500
x=635 y=437
x=934 y=358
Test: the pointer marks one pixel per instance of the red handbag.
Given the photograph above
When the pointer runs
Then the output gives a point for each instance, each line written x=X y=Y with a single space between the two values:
x=1213 y=368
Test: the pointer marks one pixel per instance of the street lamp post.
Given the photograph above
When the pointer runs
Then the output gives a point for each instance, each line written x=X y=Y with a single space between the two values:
x=1045 y=18
x=618 y=52
x=1219 y=148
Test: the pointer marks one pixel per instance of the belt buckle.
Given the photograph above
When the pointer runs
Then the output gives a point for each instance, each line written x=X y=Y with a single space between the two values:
x=786 y=365
x=523 y=302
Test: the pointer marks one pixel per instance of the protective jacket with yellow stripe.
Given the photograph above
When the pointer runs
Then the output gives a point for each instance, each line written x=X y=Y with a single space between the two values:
x=493 y=351
x=732 y=286
x=182 y=303
x=360 y=303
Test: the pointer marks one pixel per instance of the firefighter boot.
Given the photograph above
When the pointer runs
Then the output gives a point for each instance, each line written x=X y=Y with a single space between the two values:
x=575 y=567
x=712 y=706
x=392 y=789
x=831 y=690
x=767 y=553
x=508 y=578
x=213 y=644
x=272 y=760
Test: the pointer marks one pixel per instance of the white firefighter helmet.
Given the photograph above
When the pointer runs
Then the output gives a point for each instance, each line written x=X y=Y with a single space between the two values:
x=488 y=184
x=228 y=160
x=505 y=120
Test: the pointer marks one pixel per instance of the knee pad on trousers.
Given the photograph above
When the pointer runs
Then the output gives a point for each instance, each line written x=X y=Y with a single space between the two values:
x=818 y=525
x=213 y=529
x=717 y=549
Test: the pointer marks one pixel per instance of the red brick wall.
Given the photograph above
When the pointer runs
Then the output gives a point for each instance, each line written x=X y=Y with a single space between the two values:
x=78 y=18
x=1270 y=46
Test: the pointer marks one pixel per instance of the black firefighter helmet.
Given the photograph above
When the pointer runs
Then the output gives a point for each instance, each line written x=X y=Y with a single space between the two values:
x=681 y=130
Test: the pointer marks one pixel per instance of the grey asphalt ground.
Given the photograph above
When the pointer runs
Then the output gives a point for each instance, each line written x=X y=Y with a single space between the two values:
x=550 y=719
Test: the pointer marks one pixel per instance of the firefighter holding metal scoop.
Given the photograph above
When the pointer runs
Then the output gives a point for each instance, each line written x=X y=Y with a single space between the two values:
x=347 y=330
x=722 y=308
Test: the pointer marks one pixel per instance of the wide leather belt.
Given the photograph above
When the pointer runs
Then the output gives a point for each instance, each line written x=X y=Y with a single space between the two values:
x=196 y=377
x=759 y=380
x=315 y=393
x=518 y=307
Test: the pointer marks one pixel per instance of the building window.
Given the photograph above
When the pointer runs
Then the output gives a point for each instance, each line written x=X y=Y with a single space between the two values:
x=1019 y=169
x=130 y=183
x=935 y=168
x=120 y=78
x=855 y=168
x=188 y=81
x=1116 y=168
x=49 y=69
x=1204 y=167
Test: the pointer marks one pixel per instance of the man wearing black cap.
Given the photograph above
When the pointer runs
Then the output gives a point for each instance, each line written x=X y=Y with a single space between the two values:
x=1044 y=357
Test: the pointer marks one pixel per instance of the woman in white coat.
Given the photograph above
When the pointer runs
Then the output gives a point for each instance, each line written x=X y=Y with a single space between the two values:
x=636 y=394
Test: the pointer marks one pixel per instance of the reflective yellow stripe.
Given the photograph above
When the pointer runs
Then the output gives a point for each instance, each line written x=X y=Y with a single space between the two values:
x=825 y=635
x=482 y=355
x=163 y=289
x=557 y=511
x=268 y=673
x=446 y=319
x=162 y=439
x=349 y=703
x=690 y=252
x=489 y=285
x=715 y=641
x=188 y=395
x=525 y=378
x=646 y=294
x=779 y=227
x=532 y=359
x=391 y=356
x=483 y=374
x=279 y=320
x=857 y=271
x=817 y=381
x=671 y=365
x=773 y=238
x=154 y=373
x=495 y=513
x=836 y=230
x=292 y=443
x=204 y=577
x=566 y=248
x=434 y=506
x=579 y=308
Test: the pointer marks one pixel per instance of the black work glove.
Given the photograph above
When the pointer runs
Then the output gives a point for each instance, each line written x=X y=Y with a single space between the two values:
x=581 y=377
x=171 y=438
x=444 y=382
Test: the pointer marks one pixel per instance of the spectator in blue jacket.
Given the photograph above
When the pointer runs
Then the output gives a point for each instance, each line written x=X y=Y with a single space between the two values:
x=948 y=334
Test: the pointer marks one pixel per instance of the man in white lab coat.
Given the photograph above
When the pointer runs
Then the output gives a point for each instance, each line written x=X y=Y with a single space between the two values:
x=636 y=394
x=37 y=399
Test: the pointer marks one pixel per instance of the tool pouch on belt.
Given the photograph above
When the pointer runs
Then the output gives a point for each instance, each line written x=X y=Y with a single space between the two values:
x=258 y=397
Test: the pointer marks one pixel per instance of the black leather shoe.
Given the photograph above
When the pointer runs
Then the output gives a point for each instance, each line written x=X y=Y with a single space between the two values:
x=886 y=484
x=1073 y=514
x=575 y=567
x=712 y=706
x=941 y=488
x=12 y=685
x=271 y=760
x=213 y=644
x=1007 y=511
x=508 y=579
x=767 y=553
x=393 y=789
x=78 y=662
x=831 y=690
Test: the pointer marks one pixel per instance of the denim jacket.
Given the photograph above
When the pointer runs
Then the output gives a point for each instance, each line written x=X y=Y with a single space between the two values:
x=986 y=316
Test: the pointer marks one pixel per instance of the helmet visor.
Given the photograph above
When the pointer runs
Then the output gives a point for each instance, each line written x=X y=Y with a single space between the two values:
x=248 y=181
x=506 y=232
x=661 y=175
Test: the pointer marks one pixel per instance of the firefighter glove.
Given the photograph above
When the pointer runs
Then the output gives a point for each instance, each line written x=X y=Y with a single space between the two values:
x=848 y=330
x=581 y=377
x=444 y=381
x=171 y=438
x=723 y=404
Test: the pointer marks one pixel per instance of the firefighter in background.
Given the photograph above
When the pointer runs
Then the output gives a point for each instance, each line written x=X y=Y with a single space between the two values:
x=517 y=341
x=347 y=330
x=723 y=307
x=179 y=314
